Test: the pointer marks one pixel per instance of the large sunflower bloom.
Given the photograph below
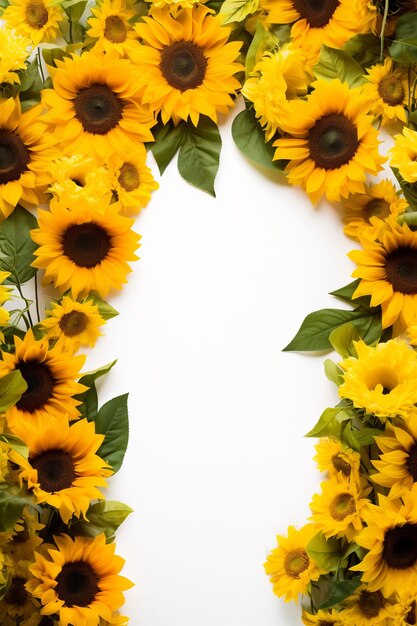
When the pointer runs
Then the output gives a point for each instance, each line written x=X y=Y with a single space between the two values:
x=79 y=580
x=388 y=89
x=14 y=53
x=110 y=26
x=86 y=248
x=387 y=267
x=404 y=155
x=331 y=142
x=187 y=65
x=96 y=106
x=36 y=19
x=26 y=150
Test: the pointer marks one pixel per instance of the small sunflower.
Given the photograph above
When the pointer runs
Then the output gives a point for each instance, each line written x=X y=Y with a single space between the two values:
x=321 y=618
x=38 y=20
x=96 y=106
x=370 y=608
x=408 y=603
x=85 y=246
x=338 y=460
x=79 y=578
x=17 y=604
x=404 y=155
x=382 y=380
x=110 y=26
x=187 y=64
x=80 y=175
x=289 y=567
x=25 y=537
x=387 y=88
x=378 y=201
x=331 y=142
x=14 y=54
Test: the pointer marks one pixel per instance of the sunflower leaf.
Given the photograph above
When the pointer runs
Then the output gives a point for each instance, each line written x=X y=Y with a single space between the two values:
x=250 y=139
x=112 y=421
x=340 y=590
x=329 y=423
x=16 y=444
x=237 y=10
x=198 y=158
x=105 y=309
x=342 y=339
x=12 y=502
x=334 y=63
x=168 y=139
x=17 y=247
x=333 y=372
x=345 y=293
x=103 y=516
x=325 y=552
x=11 y=388
x=88 y=399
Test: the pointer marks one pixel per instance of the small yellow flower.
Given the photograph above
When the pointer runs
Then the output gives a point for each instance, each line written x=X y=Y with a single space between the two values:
x=337 y=460
x=404 y=155
x=14 y=53
x=387 y=89
x=110 y=26
x=36 y=19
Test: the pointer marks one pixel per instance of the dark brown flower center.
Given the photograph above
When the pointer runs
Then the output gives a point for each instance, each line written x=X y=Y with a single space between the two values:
x=14 y=156
x=98 y=109
x=47 y=621
x=40 y=384
x=333 y=141
x=377 y=207
x=411 y=615
x=77 y=584
x=326 y=623
x=183 y=65
x=22 y=535
x=55 y=470
x=86 y=244
x=36 y=14
x=397 y=7
x=341 y=465
x=318 y=13
x=401 y=269
x=370 y=603
x=73 y=323
x=16 y=593
x=342 y=505
x=296 y=562
x=115 y=29
x=400 y=546
x=129 y=177
x=391 y=90
x=412 y=462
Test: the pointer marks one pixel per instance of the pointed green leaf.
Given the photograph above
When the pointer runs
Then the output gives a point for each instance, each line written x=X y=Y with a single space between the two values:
x=17 y=247
x=250 y=139
x=12 y=502
x=112 y=421
x=105 y=517
x=325 y=552
x=237 y=10
x=334 y=63
x=12 y=386
x=198 y=158
x=340 y=590
x=89 y=400
x=333 y=372
x=329 y=423
x=168 y=139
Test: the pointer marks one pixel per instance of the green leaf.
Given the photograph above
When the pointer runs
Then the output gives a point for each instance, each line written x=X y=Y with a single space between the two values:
x=404 y=52
x=261 y=42
x=168 y=139
x=51 y=55
x=406 y=28
x=17 y=247
x=369 y=327
x=105 y=517
x=198 y=158
x=365 y=49
x=112 y=421
x=346 y=293
x=89 y=400
x=16 y=444
x=342 y=339
x=334 y=63
x=250 y=139
x=105 y=309
x=237 y=10
x=325 y=552
x=329 y=423
x=12 y=502
x=12 y=386
x=340 y=590
x=333 y=372
x=358 y=438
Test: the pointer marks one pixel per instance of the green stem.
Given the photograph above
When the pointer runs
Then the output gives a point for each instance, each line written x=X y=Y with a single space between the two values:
x=37 y=298
x=19 y=288
x=381 y=35
x=38 y=52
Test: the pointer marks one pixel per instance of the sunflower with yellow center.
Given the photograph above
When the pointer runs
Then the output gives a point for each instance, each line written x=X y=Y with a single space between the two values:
x=17 y=604
x=382 y=380
x=80 y=175
x=338 y=460
x=96 y=106
x=387 y=88
x=278 y=77
x=79 y=580
x=77 y=323
x=38 y=20
x=110 y=27
x=14 y=54
x=370 y=608
x=387 y=267
x=26 y=150
x=187 y=64
x=289 y=566
x=50 y=375
x=404 y=155
x=330 y=141
x=85 y=246
x=321 y=618
x=132 y=182
x=364 y=210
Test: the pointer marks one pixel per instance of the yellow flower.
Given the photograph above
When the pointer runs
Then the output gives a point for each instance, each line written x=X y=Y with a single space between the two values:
x=408 y=602
x=370 y=608
x=36 y=19
x=173 y=5
x=80 y=175
x=388 y=89
x=331 y=143
x=337 y=459
x=14 y=53
x=85 y=248
x=25 y=537
x=4 y=296
x=17 y=603
x=187 y=65
x=96 y=106
x=79 y=580
x=404 y=155
x=289 y=567
x=110 y=26
x=378 y=201
x=321 y=618
x=382 y=380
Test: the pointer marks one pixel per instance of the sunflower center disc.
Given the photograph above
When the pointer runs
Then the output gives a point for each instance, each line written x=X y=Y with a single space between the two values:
x=86 y=244
x=183 y=65
x=401 y=270
x=73 y=323
x=412 y=462
x=342 y=506
x=77 y=584
x=115 y=29
x=397 y=7
x=47 y=621
x=400 y=546
x=129 y=177
x=36 y=14
x=333 y=141
x=55 y=470
x=326 y=623
x=98 y=109
x=411 y=615
x=370 y=603
x=318 y=13
x=40 y=384
x=16 y=593
x=296 y=562
x=391 y=90
x=341 y=465
x=14 y=156
x=377 y=207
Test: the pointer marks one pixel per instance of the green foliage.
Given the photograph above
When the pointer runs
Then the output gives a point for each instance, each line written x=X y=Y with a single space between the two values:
x=17 y=247
x=330 y=422
x=11 y=388
x=105 y=309
x=112 y=421
x=357 y=438
x=404 y=47
x=105 y=517
x=334 y=63
x=88 y=399
x=15 y=443
x=198 y=158
x=237 y=10
x=340 y=590
x=12 y=502
x=53 y=54
x=168 y=139
x=333 y=372
x=342 y=339
x=325 y=552
x=250 y=139
x=365 y=49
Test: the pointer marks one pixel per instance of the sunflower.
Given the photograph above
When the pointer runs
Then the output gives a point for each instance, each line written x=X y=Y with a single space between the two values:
x=408 y=602
x=36 y=19
x=278 y=77
x=387 y=267
x=50 y=375
x=4 y=296
x=17 y=604
x=79 y=580
x=338 y=460
x=14 y=54
x=331 y=143
x=173 y=5
x=321 y=618
x=378 y=201
x=85 y=248
x=25 y=537
x=80 y=175
x=76 y=322
x=95 y=105
x=110 y=26
x=370 y=608
x=382 y=380
x=187 y=65
x=26 y=150
x=404 y=155
x=289 y=566
x=387 y=88
x=391 y=540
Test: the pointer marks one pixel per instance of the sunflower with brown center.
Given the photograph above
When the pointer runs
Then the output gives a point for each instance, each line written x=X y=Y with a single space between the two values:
x=337 y=459
x=80 y=578
x=387 y=88
x=330 y=142
x=321 y=618
x=187 y=64
x=50 y=375
x=17 y=605
x=370 y=608
x=85 y=246
x=38 y=20
x=111 y=28
x=96 y=106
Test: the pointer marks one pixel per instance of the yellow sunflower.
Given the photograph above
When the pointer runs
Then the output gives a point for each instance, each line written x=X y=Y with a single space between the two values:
x=4 y=296
x=404 y=154
x=331 y=142
x=289 y=567
x=80 y=175
x=85 y=248
x=14 y=53
x=50 y=374
x=25 y=537
x=26 y=150
x=17 y=604
x=387 y=267
x=378 y=201
x=77 y=323
x=388 y=90
x=173 y=5
x=370 y=608
x=321 y=618
x=187 y=65
x=110 y=26
x=408 y=602
x=338 y=460
x=382 y=380
x=96 y=106
x=390 y=537
x=36 y=19
x=79 y=580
